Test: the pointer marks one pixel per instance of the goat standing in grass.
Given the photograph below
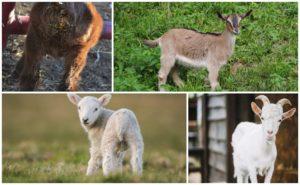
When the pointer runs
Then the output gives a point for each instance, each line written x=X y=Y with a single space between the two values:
x=111 y=134
x=195 y=49
x=67 y=30
x=254 y=148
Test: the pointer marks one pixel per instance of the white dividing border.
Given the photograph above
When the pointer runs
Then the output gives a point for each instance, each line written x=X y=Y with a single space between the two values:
x=150 y=92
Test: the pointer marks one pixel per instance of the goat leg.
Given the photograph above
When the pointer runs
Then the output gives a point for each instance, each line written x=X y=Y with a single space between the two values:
x=19 y=67
x=77 y=61
x=176 y=78
x=253 y=175
x=268 y=176
x=167 y=63
x=30 y=59
x=213 y=73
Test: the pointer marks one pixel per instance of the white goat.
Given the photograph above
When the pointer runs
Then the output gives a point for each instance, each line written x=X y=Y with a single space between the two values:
x=110 y=133
x=254 y=148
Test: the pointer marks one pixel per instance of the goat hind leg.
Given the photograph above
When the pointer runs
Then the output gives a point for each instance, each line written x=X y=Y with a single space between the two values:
x=167 y=62
x=136 y=160
x=176 y=77
x=30 y=62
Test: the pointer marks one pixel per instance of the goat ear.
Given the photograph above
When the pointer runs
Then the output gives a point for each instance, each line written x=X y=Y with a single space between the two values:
x=74 y=98
x=104 y=100
x=224 y=18
x=256 y=109
x=245 y=14
x=288 y=114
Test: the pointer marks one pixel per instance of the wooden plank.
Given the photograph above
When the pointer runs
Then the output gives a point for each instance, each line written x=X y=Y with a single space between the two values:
x=218 y=130
x=217 y=161
x=216 y=176
x=215 y=114
x=217 y=101
x=217 y=146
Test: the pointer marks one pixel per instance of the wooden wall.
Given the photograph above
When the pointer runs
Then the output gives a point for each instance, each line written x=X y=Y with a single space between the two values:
x=217 y=142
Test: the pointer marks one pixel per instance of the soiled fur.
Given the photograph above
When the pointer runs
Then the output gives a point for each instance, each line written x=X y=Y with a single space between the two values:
x=67 y=30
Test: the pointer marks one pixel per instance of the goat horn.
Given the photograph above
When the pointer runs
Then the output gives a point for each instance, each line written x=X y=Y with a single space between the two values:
x=264 y=99
x=284 y=101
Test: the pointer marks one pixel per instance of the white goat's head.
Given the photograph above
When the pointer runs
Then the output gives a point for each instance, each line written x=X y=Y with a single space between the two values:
x=89 y=108
x=271 y=115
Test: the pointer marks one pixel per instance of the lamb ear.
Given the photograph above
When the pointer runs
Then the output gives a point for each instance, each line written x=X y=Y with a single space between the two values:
x=105 y=99
x=74 y=98
x=256 y=109
x=288 y=113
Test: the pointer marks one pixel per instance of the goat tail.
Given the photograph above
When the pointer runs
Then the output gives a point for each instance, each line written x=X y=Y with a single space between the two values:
x=151 y=43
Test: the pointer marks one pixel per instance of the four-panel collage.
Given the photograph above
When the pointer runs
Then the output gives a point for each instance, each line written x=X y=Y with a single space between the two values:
x=149 y=92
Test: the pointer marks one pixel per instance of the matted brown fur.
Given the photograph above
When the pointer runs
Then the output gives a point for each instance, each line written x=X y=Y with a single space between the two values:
x=66 y=30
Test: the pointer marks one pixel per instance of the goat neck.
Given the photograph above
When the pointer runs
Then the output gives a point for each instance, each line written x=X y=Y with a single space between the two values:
x=229 y=38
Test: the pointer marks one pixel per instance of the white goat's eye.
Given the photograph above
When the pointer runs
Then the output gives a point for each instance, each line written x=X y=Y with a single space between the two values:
x=78 y=108
x=280 y=120
x=95 y=109
x=261 y=118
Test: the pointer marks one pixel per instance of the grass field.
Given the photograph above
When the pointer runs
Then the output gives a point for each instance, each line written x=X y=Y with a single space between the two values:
x=265 y=57
x=44 y=142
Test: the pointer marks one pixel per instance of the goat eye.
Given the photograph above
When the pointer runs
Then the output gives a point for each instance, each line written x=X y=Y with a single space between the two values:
x=78 y=108
x=95 y=109
x=280 y=120
x=261 y=118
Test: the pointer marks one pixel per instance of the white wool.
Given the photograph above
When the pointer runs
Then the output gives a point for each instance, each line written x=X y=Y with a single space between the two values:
x=111 y=134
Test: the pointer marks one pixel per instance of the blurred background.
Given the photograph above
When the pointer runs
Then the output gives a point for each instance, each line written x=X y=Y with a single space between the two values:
x=212 y=120
x=44 y=142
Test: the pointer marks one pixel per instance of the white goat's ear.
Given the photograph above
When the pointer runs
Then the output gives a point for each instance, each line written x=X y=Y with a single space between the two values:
x=74 y=98
x=256 y=109
x=288 y=114
x=105 y=99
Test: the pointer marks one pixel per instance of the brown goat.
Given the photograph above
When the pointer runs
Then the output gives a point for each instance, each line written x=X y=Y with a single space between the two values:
x=195 y=49
x=66 y=30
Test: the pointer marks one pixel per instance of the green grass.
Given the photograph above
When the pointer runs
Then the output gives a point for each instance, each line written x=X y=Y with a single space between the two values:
x=265 y=57
x=44 y=142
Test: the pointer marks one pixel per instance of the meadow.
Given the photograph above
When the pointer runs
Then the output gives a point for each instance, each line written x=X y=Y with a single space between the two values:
x=44 y=142
x=265 y=57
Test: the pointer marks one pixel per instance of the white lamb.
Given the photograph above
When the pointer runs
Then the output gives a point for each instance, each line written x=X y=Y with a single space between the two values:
x=254 y=148
x=110 y=133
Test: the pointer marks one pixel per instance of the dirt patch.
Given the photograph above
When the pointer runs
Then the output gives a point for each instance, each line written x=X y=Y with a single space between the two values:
x=95 y=77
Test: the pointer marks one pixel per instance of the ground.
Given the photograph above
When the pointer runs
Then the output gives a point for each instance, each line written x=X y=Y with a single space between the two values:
x=44 y=142
x=95 y=77
x=265 y=57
